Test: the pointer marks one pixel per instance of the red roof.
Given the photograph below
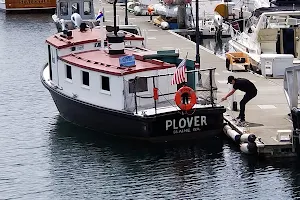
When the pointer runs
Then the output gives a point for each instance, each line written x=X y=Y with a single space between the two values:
x=78 y=38
x=101 y=61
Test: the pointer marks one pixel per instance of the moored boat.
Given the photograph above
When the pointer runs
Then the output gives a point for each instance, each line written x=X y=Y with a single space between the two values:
x=127 y=91
x=22 y=5
x=270 y=31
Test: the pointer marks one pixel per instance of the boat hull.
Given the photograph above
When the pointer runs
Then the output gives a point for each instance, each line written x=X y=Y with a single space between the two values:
x=157 y=128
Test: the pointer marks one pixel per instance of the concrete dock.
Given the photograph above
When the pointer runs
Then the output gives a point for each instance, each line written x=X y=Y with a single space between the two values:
x=266 y=114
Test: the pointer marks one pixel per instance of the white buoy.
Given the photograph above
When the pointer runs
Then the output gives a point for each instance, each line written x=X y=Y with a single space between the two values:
x=164 y=25
x=76 y=19
x=249 y=148
x=245 y=138
x=235 y=136
x=137 y=10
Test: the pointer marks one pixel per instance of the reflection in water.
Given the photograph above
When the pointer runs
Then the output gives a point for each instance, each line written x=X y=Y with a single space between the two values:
x=116 y=168
x=86 y=165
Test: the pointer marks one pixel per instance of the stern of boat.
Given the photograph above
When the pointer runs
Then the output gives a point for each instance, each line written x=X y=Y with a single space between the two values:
x=179 y=111
x=170 y=123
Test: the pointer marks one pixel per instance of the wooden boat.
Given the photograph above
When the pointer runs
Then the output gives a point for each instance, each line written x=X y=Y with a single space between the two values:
x=237 y=61
x=21 y=5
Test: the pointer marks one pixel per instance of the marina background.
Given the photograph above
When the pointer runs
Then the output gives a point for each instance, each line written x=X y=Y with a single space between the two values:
x=44 y=157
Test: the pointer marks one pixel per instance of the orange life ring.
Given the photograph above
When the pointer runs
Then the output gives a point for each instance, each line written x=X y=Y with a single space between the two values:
x=192 y=96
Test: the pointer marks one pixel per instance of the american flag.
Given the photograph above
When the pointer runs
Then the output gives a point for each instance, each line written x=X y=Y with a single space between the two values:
x=179 y=75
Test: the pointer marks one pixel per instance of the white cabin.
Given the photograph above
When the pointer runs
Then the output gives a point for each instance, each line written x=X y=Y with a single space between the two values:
x=79 y=68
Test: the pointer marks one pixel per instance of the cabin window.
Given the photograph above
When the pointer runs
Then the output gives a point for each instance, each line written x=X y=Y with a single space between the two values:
x=63 y=8
x=75 y=8
x=141 y=85
x=98 y=44
x=69 y=71
x=49 y=62
x=87 y=8
x=105 y=83
x=85 y=78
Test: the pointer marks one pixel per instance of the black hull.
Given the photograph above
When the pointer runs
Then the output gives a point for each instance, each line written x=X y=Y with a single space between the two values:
x=129 y=125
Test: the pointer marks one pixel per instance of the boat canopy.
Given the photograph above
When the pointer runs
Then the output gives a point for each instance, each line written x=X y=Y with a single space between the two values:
x=262 y=10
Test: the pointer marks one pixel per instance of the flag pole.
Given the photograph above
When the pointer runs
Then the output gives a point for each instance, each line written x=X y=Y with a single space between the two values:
x=187 y=53
x=102 y=34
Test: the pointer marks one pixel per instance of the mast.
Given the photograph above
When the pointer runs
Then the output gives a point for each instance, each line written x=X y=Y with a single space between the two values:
x=197 y=33
x=115 y=18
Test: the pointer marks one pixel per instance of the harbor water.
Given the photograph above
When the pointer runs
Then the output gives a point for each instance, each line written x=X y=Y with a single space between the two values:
x=44 y=157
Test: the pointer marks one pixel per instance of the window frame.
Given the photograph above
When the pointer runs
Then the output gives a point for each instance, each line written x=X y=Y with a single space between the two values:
x=131 y=90
x=82 y=81
x=60 y=8
x=90 y=7
x=101 y=85
x=70 y=67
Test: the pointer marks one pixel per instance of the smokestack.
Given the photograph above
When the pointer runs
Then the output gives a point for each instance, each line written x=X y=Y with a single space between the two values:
x=115 y=40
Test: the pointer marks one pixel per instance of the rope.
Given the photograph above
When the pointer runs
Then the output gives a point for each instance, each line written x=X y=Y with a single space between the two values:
x=191 y=113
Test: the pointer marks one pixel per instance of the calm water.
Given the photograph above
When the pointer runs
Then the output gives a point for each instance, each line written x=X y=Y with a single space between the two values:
x=43 y=157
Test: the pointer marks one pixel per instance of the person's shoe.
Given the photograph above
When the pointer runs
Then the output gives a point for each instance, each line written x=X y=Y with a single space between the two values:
x=237 y=119
x=241 y=122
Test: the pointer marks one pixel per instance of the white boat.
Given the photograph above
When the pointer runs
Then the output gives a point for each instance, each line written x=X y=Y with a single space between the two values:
x=128 y=91
x=209 y=27
x=71 y=13
x=25 y=5
x=271 y=30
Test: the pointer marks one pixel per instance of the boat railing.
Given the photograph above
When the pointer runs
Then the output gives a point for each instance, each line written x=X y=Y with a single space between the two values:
x=160 y=94
x=291 y=85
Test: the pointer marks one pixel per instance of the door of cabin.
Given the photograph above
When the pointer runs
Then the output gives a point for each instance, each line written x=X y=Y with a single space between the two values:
x=288 y=41
x=129 y=99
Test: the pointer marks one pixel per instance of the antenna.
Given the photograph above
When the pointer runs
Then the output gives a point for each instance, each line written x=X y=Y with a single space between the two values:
x=115 y=18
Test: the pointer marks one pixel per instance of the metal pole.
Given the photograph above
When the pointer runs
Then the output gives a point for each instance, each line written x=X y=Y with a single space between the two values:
x=115 y=18
x=126 y=13
x=135 y=98
x=155 y=106
x=197 y=33
x=102 y=35
x=211 y=88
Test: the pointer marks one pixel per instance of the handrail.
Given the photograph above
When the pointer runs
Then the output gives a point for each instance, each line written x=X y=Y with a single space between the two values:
x=208 y=97
x=160 y=95
x=171 y=74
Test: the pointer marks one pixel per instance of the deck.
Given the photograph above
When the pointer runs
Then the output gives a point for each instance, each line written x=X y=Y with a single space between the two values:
x=266 y=113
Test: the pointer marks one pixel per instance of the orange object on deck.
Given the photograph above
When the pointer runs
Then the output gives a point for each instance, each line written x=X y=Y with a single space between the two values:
x=155 y=93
